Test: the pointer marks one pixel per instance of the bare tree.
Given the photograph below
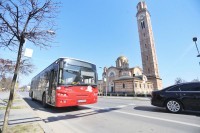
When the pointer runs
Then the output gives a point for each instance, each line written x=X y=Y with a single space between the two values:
x=22 y=20
x=179 y=80
x=195 y=80
x=26 y=67
x=6 y=67
x=5 y=83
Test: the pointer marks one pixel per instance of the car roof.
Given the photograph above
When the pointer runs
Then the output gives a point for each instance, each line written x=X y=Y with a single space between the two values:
x=188 y=83
x=168 y=87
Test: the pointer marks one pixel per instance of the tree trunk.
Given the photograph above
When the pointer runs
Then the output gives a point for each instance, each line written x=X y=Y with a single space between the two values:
x=11 y=97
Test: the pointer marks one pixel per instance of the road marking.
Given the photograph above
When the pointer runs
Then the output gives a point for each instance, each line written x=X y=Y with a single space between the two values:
x=162 y=119
x=121 y=106
x=151 y=117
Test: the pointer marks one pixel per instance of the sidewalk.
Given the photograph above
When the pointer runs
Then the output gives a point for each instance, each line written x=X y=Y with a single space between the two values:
x=22 y=118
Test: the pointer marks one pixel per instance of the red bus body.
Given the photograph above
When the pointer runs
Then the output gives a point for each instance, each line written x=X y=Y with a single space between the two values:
x=66 y=82
x=76 y=95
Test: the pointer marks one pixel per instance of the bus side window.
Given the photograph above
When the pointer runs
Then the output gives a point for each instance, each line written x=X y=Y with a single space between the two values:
x=46 y=78
x=55 y=79
x=60 y=76
x=52 y=80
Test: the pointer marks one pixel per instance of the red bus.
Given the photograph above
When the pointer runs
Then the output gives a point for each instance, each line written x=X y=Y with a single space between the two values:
x=66 y=82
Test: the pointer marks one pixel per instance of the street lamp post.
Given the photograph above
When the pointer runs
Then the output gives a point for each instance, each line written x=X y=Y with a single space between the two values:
x=104 y=81
x=195 y=41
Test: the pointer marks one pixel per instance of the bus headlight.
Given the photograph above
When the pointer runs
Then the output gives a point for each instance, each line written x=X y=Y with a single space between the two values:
x=62 y=94
x=58 y=88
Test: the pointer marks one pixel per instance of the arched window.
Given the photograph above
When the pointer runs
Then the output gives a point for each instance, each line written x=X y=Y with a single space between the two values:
x=142 y=24
x=135 y=85
x=112 y=74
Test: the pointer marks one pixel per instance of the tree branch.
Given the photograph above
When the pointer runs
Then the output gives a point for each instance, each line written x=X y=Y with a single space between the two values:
x=9 y=26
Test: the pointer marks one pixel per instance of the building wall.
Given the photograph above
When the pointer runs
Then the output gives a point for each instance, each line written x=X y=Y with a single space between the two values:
x=133 y=86
x=125 y=86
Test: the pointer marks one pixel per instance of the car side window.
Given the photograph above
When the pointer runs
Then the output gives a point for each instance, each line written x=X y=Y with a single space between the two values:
x=190 y=87
x=175 y=88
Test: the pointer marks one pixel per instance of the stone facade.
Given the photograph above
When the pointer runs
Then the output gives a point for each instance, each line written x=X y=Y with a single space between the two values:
x=147 y=45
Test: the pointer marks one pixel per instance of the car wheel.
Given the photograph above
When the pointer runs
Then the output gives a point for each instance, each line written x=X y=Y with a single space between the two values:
x=173 y=106
x=44 y=103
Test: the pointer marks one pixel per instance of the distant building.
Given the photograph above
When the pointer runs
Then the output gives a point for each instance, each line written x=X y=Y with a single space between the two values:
x=123 y=79
x=100 y=87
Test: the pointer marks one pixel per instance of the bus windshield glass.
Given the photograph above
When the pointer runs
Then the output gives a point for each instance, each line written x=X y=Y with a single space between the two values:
x=78 y=73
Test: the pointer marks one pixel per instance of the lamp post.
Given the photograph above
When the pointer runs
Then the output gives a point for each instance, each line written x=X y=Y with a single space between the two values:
x=195 y=41
x=104 y=81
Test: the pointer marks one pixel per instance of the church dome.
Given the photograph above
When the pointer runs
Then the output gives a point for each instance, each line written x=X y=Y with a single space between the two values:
x=122 y=58
x=122 y=62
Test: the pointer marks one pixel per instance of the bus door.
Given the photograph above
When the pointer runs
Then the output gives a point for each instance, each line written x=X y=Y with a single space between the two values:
x=52 y=87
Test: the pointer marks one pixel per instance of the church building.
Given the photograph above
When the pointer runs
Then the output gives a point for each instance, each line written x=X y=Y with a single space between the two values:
x=126 y=80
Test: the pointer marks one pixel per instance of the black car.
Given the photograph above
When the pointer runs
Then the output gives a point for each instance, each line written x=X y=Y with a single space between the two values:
x=178 y=97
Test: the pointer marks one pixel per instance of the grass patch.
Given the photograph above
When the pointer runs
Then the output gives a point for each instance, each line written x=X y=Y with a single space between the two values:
x=15 y=100
x=26 y=128
x=13 y=107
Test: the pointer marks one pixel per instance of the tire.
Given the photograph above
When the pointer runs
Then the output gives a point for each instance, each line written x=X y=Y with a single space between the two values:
x=44 y=103
x=174 y=106
x=32 y=97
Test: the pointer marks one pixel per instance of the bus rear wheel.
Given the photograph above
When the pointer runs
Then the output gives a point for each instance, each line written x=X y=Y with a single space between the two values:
x=44 y=103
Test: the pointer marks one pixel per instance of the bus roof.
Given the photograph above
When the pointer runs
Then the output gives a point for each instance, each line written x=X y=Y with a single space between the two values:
x=75 y=59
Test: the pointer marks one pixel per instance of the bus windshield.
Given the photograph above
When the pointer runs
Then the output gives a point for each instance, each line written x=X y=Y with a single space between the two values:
x=78 y=75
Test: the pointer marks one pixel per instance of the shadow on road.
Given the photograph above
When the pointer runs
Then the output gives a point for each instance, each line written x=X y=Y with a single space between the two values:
x=150 y=109
x=163 y=110
x=78 y=115
x=36 y=105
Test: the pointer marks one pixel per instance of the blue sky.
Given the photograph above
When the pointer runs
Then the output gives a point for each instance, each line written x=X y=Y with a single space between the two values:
x=99 y=31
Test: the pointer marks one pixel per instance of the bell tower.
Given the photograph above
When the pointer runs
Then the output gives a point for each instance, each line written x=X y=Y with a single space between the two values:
x=147 y=46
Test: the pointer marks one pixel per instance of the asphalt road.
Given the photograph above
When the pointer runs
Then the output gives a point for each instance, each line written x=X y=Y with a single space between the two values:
x=115 y=115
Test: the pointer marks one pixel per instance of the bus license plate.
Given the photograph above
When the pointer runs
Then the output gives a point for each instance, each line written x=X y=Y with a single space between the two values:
x=81 y=101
